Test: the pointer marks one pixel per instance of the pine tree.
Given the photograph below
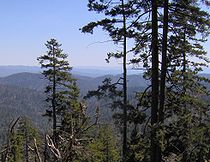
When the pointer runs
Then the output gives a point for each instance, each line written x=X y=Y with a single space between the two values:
x=59 y=81
x=186 y=86
x=163 y=70
x=181 y=91
x=120 y=22
x=184 y=106
x=155 y=82
x=70 y=120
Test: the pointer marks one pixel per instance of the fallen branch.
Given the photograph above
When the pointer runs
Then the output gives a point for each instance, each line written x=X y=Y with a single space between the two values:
x=37 y=151
x=52 y=147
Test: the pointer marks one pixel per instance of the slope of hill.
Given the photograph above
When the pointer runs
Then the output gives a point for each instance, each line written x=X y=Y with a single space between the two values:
x=9 y=70
x=22 y=95
x=15 y=102
x=37 y=81
x=25 y=80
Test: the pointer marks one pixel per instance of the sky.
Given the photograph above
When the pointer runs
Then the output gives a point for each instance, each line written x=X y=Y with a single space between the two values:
x=26 y=25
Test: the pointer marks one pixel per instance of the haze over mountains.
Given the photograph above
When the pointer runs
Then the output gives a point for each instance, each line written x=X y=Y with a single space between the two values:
x=90 y=71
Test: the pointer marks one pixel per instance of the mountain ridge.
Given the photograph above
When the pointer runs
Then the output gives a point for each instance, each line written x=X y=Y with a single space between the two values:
x=91 y=71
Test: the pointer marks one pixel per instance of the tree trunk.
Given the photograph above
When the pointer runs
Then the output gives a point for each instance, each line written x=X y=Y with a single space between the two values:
x=124 y=85
x=184 y=61
x=164 y=63
x=163 y=69
x=185 y=155
x=155 y=84
x=53 y=100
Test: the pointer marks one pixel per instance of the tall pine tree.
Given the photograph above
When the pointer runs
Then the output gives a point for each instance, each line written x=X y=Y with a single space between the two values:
x=57 y=72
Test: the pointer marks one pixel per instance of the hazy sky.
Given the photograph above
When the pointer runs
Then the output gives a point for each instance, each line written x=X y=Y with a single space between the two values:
x=25 y=25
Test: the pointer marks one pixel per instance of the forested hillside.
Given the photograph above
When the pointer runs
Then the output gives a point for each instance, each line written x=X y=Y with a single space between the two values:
x=161 y=113
x=22 y=94
x=37 y=81
x=16 y=102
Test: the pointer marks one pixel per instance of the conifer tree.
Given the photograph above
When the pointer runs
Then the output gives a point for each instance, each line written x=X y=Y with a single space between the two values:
x=181 y=91
x=70 y=120
x=57 y=72
x=154 y=82
x=120 y=22
x=184 y=87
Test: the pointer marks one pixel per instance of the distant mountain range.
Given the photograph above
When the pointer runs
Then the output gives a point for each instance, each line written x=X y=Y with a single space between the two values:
x=9 y=70
x=22 y=94
x=22 y=91
x=35 y=81
x=91 y=71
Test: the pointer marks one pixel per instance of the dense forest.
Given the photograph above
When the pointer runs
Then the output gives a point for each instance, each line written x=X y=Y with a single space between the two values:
x=160 y=115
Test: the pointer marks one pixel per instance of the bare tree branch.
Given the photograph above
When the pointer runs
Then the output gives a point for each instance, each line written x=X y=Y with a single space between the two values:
x=37 y=151
x=52 y=147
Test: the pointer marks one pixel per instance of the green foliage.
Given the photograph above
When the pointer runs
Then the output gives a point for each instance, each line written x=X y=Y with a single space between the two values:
x=74 y=132
x=104 y=147
x=138 y=146
x=183 y=135
x=17 y=148
x=57 y=73
x=186 y=107
x=185 y=104
x=136 y=28
x=61 y=88
x=20 y=139
x=70 y=121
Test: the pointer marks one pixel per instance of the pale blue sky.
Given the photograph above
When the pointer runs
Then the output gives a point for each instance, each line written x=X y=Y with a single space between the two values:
x=25 y=25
